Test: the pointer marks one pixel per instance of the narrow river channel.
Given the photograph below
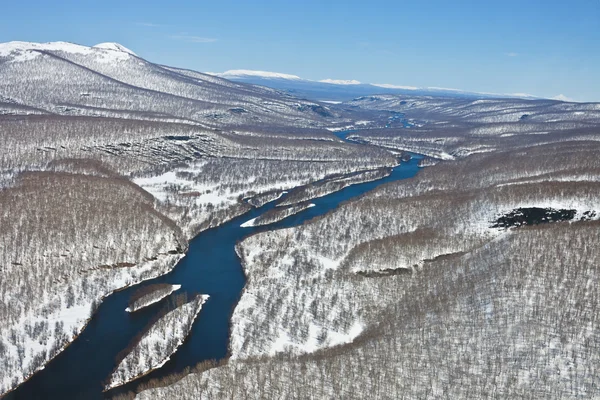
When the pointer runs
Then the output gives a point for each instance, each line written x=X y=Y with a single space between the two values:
x=212 y=267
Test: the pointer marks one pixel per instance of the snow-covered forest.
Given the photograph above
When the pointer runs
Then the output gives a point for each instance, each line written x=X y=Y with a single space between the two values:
x=416 y=291
x=516 y=318
x=320 y=189
x=475 y=279
x=67 y=241
x=82 y=129
x=449 y=128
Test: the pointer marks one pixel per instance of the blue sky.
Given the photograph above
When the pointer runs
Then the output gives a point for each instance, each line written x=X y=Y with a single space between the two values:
x=545 y=48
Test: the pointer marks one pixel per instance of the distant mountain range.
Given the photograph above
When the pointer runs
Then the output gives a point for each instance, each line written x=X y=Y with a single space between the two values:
x=345 y=90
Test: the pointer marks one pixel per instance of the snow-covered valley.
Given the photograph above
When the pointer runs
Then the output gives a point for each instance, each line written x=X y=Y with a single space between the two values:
x=124 y=182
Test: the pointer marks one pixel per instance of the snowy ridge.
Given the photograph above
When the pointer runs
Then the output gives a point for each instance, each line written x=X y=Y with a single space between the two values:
x=83 y=77
x=27 y=51
x=390 y=86
x=12 y=47
x=242 y=74
x=247 y=72
x=340 y=81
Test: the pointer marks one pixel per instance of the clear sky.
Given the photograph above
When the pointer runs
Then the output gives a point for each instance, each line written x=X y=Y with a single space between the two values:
x=541 y=47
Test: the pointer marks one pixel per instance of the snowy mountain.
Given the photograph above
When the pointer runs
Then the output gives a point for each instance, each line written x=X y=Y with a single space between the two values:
x=344 y=90
x=240 y=73
x=340 y=81
x=109 y=80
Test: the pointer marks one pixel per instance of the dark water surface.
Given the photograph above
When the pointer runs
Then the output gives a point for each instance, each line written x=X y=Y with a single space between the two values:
x=212 y=267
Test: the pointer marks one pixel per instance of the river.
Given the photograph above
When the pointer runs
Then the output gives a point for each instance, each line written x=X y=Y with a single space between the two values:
x=210 y=266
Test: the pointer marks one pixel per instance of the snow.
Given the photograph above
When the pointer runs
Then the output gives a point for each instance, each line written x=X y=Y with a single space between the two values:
x=26 y=51
x=114 y=47
x=327 y=263
x=340 y=128
x=249 y=223
x=340 y=81
x=279 y=195
x=8 y=48
x=283 y=341
x=389 y=86
x=283 y=214
x=562 y=97
x=246 y=72
x=158 y=187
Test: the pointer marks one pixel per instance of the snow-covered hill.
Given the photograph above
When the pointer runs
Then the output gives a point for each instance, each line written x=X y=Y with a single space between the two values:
x=109 y=80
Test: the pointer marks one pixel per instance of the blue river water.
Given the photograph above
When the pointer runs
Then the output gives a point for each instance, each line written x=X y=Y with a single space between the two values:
x=210 y=266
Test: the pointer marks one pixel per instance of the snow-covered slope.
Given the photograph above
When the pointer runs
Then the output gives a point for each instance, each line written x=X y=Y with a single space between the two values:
x=110 y=80
x=340 y=81
x=68 y=241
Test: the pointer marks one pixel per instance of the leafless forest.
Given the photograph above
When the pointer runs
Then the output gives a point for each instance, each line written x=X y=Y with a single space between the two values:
x=412 y=291
x=88 y=135
x=110 y=164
